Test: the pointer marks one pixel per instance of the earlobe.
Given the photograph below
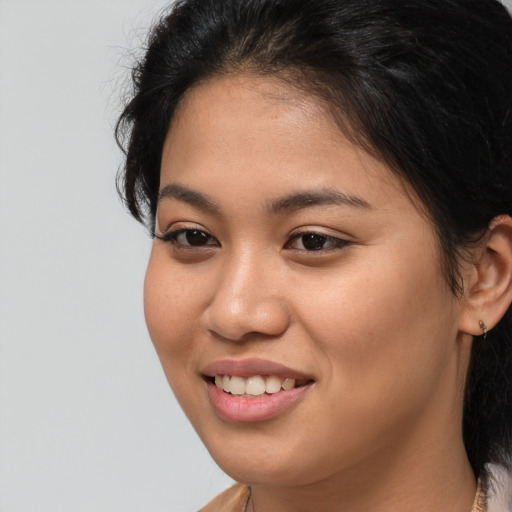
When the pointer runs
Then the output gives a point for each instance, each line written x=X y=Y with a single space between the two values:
x=489 y=292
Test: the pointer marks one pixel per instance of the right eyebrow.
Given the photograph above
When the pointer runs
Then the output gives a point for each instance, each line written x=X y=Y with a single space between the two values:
x=186 y=195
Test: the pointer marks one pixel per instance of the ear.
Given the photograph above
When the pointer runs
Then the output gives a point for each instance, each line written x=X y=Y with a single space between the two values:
x=489 y=279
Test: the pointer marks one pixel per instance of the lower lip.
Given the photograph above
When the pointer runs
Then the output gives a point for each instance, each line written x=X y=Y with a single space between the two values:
x=247 y=410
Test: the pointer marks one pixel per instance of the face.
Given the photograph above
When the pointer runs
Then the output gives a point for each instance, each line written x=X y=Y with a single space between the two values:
x=294 y=292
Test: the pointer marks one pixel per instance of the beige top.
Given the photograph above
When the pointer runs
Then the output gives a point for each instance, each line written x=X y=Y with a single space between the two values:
x=235 y=499
x=480 y=503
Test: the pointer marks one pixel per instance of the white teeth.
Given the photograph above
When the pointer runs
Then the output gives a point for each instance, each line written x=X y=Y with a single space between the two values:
x=288 y=383
x=255 y=385
x=273 y=385
x=238 y=386
x=226 y=383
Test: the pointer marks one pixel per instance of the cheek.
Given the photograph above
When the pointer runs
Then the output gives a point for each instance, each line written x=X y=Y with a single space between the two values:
x=169 y=309
x=384 y=329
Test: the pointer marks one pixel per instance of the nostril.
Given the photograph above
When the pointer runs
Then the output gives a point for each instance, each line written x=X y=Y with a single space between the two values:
x=245 y=338
x=259 y=318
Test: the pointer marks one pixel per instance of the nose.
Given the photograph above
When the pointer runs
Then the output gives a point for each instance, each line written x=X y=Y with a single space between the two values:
x=246 y=303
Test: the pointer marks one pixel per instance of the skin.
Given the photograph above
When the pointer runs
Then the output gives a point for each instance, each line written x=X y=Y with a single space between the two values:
x=370 y=318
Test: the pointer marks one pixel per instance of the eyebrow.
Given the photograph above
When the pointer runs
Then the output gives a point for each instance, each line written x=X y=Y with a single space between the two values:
x=310 y=199
x=287 y=204
x=192 y=197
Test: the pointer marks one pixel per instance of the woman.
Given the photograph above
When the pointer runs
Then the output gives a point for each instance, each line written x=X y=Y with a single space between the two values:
x=329 y=185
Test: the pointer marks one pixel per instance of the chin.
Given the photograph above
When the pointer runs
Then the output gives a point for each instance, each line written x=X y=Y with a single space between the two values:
x=253 y=460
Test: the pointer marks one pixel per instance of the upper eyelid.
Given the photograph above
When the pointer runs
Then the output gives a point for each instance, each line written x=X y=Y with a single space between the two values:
x=183 y=225
x=318 y=231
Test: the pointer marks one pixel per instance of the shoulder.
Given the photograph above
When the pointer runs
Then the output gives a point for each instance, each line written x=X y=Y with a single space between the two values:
x=233 y=499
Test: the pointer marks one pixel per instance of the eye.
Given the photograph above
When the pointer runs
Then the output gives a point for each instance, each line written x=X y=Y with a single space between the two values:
x=315 y=242
x=187 y=238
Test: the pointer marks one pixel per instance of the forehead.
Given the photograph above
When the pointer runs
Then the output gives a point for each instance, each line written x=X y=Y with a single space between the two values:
x=257 y=103
x=272 y=135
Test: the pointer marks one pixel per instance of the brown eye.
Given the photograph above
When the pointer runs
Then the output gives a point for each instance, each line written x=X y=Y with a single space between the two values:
x=194 y=237
x=187 y=238
x=315 y=242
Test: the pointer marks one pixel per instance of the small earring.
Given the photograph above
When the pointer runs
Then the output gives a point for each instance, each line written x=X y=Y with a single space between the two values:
x=484 y=328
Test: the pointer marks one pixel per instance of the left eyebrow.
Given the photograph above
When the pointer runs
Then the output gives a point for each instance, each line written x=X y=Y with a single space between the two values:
x=301 y=200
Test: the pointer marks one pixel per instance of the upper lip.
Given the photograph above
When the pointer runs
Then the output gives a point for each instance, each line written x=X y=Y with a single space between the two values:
x=251 y=367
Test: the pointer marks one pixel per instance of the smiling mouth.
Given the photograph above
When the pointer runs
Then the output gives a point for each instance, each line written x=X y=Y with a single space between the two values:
x=256 y=386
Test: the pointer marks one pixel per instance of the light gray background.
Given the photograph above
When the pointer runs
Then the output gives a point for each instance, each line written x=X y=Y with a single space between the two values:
x=87 y=422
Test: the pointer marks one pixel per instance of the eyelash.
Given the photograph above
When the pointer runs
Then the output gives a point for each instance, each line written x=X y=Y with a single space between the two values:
x=335 y=243
x=172 y=238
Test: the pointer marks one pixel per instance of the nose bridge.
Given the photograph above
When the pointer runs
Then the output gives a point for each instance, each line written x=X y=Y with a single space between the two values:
x=246 y=300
